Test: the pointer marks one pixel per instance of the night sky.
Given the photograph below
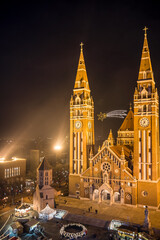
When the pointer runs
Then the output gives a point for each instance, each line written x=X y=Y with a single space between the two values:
x=39 y=52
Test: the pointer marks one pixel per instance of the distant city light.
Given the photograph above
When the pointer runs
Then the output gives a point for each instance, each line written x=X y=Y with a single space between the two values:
x=2 y=159
x=57 y=147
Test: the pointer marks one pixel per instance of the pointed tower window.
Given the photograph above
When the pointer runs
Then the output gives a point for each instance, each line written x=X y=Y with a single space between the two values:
x=144 y=75
x=144 y=93
x=149 y=108
x=81 y=82
x=144 y=108
x=149 y=90
x=140 y=88
x=139 y=109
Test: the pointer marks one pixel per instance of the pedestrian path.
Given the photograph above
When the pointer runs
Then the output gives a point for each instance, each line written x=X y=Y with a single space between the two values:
x=86 y=220
x=4 y=213
x=107 y=213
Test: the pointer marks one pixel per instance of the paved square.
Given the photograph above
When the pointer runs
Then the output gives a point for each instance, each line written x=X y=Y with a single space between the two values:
x=107 y=213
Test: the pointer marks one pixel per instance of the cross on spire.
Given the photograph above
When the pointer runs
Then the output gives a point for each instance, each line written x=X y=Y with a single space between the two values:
x=130 y=108
x=145 y=31
x=81 y=46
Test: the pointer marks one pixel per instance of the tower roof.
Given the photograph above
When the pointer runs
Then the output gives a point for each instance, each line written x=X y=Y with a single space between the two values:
x=81 y=77
x=128 y=123
x=145 y=70
x=44 y=165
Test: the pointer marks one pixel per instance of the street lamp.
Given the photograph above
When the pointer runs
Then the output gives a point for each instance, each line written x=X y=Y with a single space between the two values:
x=57 y=147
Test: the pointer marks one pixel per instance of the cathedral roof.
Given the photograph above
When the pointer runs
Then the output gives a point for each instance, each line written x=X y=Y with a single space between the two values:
x=81 y=77
x=145 y=71
x=127 y=150
x=128 y=123
x=44 y=165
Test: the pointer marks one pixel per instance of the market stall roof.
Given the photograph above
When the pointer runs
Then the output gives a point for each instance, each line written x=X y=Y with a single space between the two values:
x=128 y=229
x=16 y=225
x=32 y=223
x=24 y=206
x=47 y=210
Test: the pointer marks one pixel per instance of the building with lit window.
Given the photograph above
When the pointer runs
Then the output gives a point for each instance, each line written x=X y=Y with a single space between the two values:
x=13 y=170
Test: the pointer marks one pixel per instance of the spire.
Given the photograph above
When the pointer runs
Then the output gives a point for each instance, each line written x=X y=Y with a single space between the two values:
x=91 y=153
x=81 y=47
x=130 y=107
x=81 y=77
x=122 y=154
x=128 y=123
x=99 y=149
x=145 y=71
x=110 y=138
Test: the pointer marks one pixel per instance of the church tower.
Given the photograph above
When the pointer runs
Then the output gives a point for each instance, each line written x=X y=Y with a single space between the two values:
x=44 y=194
x=81 y=124
x=146 y=131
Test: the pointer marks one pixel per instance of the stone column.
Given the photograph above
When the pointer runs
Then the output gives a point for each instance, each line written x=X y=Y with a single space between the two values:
x=100 y=196
x=111 y=197
x=122 y=196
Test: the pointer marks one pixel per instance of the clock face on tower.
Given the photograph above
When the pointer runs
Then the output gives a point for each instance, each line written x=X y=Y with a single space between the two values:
x=89 y=125
x=78 y=124
x=144 y=122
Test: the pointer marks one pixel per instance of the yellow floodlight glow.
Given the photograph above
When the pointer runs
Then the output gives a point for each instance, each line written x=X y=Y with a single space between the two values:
x=2 y=159
x=57 y=147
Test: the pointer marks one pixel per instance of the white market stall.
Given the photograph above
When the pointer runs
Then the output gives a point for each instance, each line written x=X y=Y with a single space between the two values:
x=47 y=213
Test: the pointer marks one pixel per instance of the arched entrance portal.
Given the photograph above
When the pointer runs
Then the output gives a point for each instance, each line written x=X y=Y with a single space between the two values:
x=106 y=196
x=117 y=197
x=106 y=193
x=86 y=192
x=96 y=195
x=128 y=198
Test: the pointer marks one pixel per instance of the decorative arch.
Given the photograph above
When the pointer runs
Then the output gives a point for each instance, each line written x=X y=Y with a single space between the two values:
x=106 y=193
x=128 y=198
x=117 y=197
x=144 y=93
x=86 y=192
x=96 y=194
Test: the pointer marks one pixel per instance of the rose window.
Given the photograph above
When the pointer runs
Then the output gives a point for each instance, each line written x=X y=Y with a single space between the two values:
x=144 y=193
x=106 y=167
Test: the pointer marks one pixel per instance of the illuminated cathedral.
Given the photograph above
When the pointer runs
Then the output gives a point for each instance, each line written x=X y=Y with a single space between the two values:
x=125 y=170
